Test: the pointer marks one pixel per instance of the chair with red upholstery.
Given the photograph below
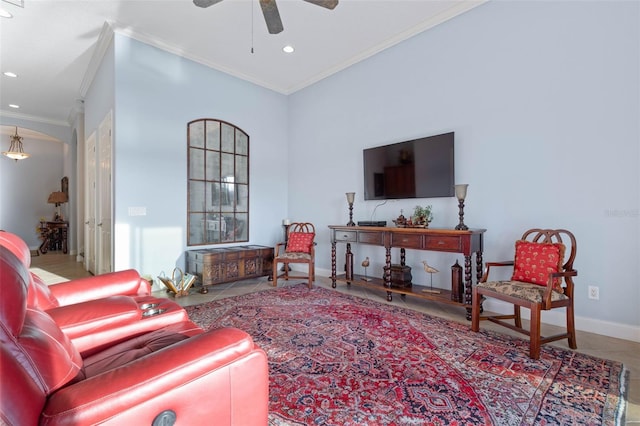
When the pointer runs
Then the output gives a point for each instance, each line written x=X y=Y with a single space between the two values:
x=125 y=283
x=542 y=280
x=299 y=248
x=98 y=310
x=175 y=375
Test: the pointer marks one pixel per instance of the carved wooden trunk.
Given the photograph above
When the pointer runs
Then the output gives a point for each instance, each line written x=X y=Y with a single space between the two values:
x=221 y=265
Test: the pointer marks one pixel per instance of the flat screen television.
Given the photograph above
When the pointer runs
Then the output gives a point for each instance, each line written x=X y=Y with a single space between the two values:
x=419 y=168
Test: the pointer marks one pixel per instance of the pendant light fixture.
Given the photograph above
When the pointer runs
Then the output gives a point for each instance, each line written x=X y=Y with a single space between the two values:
x=15 y=149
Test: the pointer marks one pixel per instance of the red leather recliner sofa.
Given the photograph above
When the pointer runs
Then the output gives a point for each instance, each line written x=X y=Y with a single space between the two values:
x=178 y=374
x=99 y=310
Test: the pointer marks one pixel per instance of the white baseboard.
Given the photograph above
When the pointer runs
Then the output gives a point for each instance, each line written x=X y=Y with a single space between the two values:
x=555 y=317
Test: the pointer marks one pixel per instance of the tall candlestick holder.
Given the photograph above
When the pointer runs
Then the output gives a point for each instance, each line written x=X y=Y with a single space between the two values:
x=461 y=194
x=350 y=199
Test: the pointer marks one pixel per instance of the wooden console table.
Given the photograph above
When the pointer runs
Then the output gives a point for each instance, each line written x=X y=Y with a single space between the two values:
x=54 y=236
x=465 y=242
x=222 y=265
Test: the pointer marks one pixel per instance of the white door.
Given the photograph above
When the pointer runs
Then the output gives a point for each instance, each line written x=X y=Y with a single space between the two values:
x=90 y=204
x=104 y=226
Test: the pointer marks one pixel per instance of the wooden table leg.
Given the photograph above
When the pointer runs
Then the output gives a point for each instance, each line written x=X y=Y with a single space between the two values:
x=467 y=285
x=63 y=232
x=333 y=264
x=387 y=273
x=348 y=264
x=479 y=273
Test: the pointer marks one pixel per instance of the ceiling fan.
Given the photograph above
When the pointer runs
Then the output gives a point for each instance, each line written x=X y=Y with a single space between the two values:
x=270 y=11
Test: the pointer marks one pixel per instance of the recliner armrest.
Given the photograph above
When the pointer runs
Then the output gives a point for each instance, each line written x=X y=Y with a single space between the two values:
x=223 y=364
x=169 y=313
x=81 y=319
x=126 y=283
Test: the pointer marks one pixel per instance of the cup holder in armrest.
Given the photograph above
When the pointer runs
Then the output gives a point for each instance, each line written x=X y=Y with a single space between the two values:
x=152 y=312
x=145 y=306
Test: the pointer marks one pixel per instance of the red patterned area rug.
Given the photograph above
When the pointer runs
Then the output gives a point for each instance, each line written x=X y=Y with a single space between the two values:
x=336 y=359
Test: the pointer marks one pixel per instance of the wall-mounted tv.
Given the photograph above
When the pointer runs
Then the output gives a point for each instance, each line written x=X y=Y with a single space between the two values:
x=419 y=168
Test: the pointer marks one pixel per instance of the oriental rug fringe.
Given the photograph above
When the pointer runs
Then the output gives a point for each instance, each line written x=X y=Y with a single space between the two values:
x=336 y=359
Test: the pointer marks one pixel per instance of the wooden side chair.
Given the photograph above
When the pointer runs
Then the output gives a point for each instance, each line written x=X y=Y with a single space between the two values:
x=542 y=280
x=299 y=248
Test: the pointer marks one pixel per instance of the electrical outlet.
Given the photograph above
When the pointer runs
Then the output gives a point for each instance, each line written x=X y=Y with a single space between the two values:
x=594 y=292
x=137 y=211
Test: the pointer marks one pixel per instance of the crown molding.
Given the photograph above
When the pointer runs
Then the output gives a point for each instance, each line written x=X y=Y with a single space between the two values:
x=44 y=120
x=19 y=3
x=110 y=28
x=104 y=40
x=152 y=41
x=454 y=11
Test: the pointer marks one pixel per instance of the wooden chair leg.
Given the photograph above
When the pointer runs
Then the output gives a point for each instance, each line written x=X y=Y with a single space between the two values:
x=534 y=333
x=475 y=310
x=275 y=274
x=571 y=328
x=517 y=318
x=310 y=284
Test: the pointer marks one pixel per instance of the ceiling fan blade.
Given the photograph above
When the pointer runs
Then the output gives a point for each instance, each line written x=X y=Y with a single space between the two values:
x=327 y=4
x=271 y=16
x=205 y=3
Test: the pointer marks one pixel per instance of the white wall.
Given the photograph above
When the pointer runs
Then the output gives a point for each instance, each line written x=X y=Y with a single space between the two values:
x=544 y=100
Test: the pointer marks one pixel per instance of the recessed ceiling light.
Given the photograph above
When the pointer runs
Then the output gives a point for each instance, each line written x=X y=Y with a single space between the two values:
x=10 y=74
x=14 y=106
x=288 y=49
x=5 y=14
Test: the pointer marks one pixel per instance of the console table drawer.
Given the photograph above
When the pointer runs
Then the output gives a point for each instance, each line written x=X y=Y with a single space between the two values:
x=348 y=236
x=443 y=243
x=403 y=240
x=371 y=238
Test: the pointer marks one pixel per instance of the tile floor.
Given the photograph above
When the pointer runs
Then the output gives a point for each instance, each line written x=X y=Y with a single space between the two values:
x=57 y=267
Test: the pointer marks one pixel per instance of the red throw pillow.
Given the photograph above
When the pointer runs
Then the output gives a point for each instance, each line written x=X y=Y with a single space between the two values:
x=534 y=262
x=300 y=242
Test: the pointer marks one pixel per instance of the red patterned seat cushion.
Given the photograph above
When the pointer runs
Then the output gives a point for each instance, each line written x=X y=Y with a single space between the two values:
x=300 y=242
x=535 y=261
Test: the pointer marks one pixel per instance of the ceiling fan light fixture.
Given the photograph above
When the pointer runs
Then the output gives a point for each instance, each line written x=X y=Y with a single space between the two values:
x=270 y=11
x=16 y=152
x=288 y=49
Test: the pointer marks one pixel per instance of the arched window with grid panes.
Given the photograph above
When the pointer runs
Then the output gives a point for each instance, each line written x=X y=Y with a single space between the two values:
x=218 y=184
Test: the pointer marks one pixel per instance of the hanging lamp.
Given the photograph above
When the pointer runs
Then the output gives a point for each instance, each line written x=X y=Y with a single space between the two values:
x=15 y=149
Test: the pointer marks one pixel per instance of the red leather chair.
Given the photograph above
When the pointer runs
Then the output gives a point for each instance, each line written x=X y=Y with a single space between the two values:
x=100 y=310
x=126 y=283
x=174 y=375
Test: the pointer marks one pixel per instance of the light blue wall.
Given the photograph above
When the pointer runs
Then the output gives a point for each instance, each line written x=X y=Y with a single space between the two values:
x=157 y=94
x=100 y=97
x=26 y=184
x=544 y=100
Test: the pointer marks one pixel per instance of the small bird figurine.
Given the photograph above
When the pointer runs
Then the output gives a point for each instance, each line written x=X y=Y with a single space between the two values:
x=430 y=270
x=365 y=265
